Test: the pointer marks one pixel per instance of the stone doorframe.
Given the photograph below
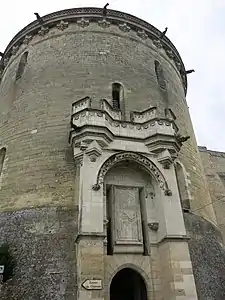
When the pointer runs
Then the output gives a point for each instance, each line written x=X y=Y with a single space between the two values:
x=110 y=273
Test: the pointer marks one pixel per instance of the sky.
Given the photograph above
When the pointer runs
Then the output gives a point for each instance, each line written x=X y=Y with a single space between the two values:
x=195 y=27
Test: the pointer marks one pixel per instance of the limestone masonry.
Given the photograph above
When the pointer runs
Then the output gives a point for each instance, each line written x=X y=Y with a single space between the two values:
x=104 y=193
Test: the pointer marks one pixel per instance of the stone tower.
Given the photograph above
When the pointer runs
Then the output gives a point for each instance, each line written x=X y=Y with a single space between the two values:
x=103 y=194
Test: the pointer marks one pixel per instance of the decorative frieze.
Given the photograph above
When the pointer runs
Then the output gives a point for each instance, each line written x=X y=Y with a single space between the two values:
x=86 y=117
x=43 y=31
x=142 y=34
x=104 y=23
x=170 y=54
x=157 y=43
x=14 y=49
x=27 y=39
x=143 y=29
x=62 y=25
x=156 y=133
x=6 y=61
x=178 y=65
x=124 y=27
x=83 y=22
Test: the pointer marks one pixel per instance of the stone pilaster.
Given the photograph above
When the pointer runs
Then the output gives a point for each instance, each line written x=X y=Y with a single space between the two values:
x=176 y=269
x=90 y=267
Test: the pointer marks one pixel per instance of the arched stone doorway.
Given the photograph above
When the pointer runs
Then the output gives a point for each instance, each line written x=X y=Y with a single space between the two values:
x=128 y=284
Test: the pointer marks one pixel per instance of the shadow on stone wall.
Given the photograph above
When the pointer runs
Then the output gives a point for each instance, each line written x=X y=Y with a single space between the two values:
x=208 y=257
x=42 y=242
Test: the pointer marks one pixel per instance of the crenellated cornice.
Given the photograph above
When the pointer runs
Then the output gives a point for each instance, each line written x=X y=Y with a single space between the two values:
x=86 y=15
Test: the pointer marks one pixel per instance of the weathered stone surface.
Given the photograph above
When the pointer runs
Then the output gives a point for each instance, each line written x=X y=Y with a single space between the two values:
x=42 y=242
x=40 y=186
x=208 y=257
x=214 y=167
x=71 y=69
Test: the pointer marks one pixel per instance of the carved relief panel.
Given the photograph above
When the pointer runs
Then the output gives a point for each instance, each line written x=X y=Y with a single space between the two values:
x=130 y=206
x=127 y=215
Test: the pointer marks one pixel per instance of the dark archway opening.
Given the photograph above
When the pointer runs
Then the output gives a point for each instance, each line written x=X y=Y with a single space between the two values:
x=127 y=284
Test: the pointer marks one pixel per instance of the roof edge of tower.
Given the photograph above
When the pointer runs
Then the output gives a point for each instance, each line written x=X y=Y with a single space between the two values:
x=96 y=13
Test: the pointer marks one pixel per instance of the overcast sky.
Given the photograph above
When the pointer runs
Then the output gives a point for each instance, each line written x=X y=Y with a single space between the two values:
x=197 y=29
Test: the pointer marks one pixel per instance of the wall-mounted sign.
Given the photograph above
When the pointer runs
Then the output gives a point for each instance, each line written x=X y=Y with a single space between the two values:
x=92 y=284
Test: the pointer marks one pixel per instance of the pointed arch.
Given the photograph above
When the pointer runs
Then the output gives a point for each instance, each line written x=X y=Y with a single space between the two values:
x=132 y=266
x=142 y=162
x=142 y=270
x=128 y=283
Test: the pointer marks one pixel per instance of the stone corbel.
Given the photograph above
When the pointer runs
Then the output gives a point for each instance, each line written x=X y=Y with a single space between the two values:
x=93 y=151
x=96 y=187
x=168 y=192
x=154 y=226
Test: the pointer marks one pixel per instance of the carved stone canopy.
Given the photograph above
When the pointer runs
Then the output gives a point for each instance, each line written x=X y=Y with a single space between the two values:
x=141 y=160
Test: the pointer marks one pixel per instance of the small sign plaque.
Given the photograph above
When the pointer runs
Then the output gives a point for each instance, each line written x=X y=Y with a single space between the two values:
x=92 y=284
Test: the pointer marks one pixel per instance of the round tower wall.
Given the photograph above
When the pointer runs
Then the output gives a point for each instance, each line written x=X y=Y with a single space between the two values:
x=65 y=66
